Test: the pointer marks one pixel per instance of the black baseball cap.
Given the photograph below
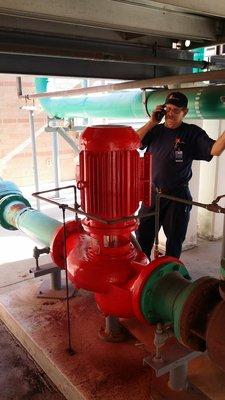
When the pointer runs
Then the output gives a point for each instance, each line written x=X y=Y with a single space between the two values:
x=178 y=99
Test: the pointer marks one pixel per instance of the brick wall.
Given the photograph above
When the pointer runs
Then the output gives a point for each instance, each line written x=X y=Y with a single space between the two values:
x=15 y=130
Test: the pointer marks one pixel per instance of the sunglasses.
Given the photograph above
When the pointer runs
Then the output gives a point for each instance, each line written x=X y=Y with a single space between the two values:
x=174 y=110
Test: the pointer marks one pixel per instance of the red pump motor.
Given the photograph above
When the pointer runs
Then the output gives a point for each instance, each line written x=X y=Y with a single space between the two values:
x=113 y=177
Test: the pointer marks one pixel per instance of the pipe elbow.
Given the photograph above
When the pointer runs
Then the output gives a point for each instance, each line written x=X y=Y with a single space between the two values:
x=73 y=233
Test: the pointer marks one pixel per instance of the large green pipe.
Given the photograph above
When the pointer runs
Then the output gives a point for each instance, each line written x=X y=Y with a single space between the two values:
x=16 y=213
x=114 y=105
x=204 y=103
x=168 y=295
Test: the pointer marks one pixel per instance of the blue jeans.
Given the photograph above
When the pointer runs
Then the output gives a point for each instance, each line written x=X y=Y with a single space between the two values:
x=173 y=217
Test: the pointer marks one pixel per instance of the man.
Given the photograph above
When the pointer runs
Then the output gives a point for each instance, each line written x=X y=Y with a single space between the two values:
x=173 y=145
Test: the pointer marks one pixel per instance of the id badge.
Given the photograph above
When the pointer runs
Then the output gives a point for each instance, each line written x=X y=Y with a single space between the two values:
x=178 y=155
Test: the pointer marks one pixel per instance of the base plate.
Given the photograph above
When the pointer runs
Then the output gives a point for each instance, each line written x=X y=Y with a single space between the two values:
x=173 y=356
x=46 y=292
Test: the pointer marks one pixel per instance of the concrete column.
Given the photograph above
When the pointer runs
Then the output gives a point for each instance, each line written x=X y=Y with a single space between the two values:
x=211 y=185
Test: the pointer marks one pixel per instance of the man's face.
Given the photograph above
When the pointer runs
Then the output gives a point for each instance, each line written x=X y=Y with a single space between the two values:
x=174 y=115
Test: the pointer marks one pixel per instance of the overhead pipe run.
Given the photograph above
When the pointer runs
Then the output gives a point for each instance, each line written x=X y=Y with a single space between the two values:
x=218 y=75
x=207 y=102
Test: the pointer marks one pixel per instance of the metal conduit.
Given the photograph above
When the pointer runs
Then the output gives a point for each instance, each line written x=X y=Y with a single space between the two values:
x=218 y=75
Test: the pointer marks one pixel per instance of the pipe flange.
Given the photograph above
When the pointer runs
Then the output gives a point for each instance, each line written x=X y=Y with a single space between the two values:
x=4 y=202
x=57 y=245
x=147 y=302
x=191 y=319
x=142 y=290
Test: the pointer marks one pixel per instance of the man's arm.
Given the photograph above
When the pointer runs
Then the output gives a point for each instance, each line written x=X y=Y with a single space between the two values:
x=150 y=124
x=219 y=146
x=145 y=128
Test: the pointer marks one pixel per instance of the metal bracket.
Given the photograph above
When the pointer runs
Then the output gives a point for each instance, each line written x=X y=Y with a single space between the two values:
x=173 y=356
x=174 y=360
x=55 y=287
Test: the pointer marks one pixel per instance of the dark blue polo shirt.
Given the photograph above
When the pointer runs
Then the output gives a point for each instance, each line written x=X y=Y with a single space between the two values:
x=173 y=151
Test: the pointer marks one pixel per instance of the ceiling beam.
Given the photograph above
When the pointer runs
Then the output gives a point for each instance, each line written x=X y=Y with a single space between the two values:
x=203 y=7
x=96 y=51
x=52 y=66
x=115 y=15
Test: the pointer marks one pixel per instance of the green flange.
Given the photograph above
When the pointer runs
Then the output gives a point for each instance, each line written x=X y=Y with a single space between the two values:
x=4 y=202
x=166 y=293
x=160 y=291
x=222 y=269
x=17 y=213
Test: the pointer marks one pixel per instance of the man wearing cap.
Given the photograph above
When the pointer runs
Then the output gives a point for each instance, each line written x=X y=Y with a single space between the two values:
x=173 y=144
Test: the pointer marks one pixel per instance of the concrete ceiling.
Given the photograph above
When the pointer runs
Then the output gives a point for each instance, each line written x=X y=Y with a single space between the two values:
x=105 y=38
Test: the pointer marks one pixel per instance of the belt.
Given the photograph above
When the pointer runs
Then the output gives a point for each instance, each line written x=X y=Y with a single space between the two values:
x=161 y=190
x=166 y=190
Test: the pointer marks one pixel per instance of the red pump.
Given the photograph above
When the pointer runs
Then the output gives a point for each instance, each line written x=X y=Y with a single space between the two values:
x=101 y=255
x=113 y=178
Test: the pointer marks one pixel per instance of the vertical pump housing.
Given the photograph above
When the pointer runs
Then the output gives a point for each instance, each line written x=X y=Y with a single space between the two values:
x=113 y=177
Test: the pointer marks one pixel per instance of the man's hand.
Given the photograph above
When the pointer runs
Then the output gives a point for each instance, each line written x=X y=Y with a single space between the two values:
x=153 y=121
x=159 y=113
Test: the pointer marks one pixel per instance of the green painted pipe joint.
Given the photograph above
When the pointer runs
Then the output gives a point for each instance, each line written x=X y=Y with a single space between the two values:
x=222 y=269
x=17 y=213
x=8 y=187
x=170 y=296
x=160 y=291
x=5 y=203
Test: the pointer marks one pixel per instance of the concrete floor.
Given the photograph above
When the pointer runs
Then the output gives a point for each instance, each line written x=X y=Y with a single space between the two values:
x=15 y=261
x=20 y=377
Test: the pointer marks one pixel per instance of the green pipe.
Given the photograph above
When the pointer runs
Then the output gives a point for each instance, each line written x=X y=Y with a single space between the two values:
x=170 y=279
x=222 y=269
x=171 y=286
x=165 y=293
x=170 y=296
x=176 y=292
x=16 y=213
x=204 y=103
x=127 y=104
